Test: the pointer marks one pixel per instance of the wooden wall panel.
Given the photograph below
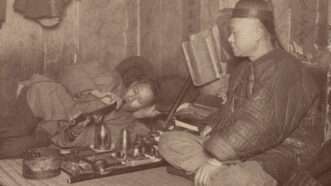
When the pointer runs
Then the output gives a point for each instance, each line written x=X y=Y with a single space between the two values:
x=309 y=24
x=173 y=61
x=209 y=11
x=133 y=35
x=98 y=31
x=191 y=17
x=103 y=27
x=20 y=53
x=303 y=25
x=164 y=26
x=19 y=40
x=322 y=38
x=58 y=45
x=151 y=31
x=282 y=20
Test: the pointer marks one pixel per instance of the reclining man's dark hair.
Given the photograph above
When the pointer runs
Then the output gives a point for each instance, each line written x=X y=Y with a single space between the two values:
x=135 y=68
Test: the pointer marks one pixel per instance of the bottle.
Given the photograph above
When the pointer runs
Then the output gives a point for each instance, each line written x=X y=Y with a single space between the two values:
x=137 y=146
x=102 y=137
x=124 y=143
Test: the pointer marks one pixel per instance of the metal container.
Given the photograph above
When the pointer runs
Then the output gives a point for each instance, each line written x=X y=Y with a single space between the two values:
x=40 y=163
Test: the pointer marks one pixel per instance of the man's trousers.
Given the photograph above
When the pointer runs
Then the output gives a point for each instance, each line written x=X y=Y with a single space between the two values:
x=185 y=151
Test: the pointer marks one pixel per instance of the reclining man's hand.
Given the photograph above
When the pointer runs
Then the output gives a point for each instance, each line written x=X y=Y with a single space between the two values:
x=148 y=112
x=75 y=130
x=108 y=98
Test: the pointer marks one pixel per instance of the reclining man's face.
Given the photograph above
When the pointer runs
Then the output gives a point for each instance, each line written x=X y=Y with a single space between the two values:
x=137 y=96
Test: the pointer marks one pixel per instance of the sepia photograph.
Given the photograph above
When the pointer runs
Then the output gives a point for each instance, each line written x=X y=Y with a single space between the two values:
x=165 y=92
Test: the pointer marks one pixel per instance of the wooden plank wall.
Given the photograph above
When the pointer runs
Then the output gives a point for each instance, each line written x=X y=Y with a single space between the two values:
x=107 y=31
x=20 y=53
x=164 y=25
x=309 y=24
x=103 y=31
x=98 y=31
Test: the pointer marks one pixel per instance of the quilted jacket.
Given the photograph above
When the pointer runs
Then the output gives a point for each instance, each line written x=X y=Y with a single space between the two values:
x=279 y=125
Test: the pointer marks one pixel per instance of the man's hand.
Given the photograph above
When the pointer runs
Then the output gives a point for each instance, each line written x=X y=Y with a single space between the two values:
x=76 y=129
x=108 y=98
x=206 y=172
x=148 y=112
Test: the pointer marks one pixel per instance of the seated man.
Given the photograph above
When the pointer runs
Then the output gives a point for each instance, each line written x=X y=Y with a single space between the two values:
x=270 y=124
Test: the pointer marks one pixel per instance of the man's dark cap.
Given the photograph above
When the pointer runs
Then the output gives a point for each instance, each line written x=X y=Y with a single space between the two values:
x=253 y=8
x=260 y=9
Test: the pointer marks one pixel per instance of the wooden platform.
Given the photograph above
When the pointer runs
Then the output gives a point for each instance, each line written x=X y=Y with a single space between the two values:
x=11 y=175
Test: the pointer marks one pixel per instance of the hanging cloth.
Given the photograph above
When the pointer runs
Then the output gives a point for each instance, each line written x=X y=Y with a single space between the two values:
x=2 y=11
x=46 y=12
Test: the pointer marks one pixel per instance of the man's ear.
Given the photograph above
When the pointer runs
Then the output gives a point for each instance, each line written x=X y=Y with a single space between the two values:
x=260 y=30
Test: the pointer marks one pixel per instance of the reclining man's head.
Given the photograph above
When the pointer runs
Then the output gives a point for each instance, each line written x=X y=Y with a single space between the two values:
x=139 y=95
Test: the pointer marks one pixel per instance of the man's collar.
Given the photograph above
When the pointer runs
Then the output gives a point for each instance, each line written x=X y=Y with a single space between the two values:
x=263 y=62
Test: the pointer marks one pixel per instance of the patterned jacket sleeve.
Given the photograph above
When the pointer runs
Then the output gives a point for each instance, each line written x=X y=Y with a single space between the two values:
x=264 y=120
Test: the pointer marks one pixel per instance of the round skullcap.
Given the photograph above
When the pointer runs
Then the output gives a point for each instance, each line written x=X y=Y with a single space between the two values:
x=253 y=8
x=260 y=9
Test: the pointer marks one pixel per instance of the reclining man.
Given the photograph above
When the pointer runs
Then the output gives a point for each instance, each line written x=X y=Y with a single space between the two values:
x=85 y=88
x=48 y=105
x=270 y=124
x=144 y=96
x=138 y=95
